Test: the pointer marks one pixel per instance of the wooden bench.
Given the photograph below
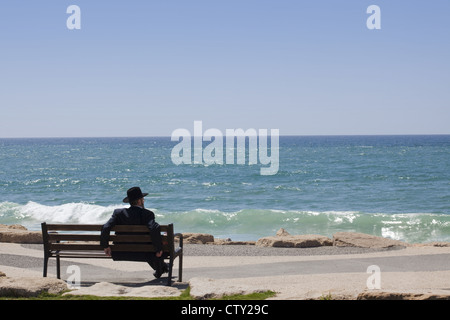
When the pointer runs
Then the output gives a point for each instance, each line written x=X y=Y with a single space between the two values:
x=83 y=241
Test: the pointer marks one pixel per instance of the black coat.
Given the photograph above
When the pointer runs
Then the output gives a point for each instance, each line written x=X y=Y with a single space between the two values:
x=133 y=215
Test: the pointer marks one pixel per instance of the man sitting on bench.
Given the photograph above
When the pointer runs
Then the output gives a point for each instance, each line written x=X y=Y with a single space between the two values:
x=136 y=214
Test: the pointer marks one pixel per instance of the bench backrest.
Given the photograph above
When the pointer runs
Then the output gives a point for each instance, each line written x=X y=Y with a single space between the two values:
x=86 y=237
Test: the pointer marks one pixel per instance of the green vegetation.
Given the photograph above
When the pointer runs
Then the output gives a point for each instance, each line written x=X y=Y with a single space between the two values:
x=326 y=297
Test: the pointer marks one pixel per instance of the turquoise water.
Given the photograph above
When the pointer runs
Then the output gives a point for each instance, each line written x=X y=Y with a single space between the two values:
x=393 y=186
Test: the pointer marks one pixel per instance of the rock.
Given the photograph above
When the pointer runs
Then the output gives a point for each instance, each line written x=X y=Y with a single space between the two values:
x=432 y=244
x=440 y=244
x=286 y=240
x=282 y=233
x=228 y=241
x=19 y=234
x=355 y=239
x=205 y=288
x=222 y=241
x=12 y=226
x=237 y=243
x=296 y=241
x=30 y=287
x=106 y=289
x=197 y=238
x=393 y=295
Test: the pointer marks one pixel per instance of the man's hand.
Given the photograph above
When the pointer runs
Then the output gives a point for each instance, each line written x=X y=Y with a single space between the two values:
x=107 y=251
x=159 y=254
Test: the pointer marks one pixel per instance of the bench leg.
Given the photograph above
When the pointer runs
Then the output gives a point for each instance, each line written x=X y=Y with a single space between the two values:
x=58 y=268
x=180 y=268
x=45 y=266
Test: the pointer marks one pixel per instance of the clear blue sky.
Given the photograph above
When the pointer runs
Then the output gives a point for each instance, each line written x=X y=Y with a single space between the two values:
x=146 y=68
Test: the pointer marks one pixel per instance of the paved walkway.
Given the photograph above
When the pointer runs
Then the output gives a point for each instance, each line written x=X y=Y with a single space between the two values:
x=425 y=269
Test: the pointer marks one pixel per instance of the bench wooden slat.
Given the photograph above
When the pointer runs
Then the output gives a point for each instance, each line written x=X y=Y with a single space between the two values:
x=96 y=247
x=92 y=237
x=83 y=254
x=74 y=247
x=73 y=227
x=73 y=237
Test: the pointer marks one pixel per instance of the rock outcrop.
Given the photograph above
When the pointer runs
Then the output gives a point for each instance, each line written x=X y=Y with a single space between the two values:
x=197 y=238
x=395 y=295
x=285 y=240
x=30 y=287
x=205 y=288
x=106 y=289
x=19 y=234
x=232 y=243
x=362 y=240
x=433 y=244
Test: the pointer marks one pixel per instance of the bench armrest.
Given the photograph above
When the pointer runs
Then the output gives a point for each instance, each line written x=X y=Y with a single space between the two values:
x=181 y=238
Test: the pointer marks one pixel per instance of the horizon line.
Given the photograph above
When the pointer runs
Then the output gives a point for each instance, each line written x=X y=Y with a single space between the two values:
x=281 y=135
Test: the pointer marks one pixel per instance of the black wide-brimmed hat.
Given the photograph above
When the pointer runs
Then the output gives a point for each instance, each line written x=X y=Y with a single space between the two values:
x=134 y=193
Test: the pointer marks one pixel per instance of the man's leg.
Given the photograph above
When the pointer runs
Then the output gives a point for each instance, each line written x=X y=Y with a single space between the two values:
x=158 y=265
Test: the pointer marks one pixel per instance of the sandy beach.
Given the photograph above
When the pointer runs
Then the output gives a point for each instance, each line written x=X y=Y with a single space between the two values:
x=293 y=273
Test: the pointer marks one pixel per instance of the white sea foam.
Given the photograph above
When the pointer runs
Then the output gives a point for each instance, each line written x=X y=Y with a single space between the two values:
x=65 y=213
x=245 y=224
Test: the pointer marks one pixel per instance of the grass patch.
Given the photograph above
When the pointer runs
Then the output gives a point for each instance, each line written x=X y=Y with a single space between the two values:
x=326 y=297
x=252 y=296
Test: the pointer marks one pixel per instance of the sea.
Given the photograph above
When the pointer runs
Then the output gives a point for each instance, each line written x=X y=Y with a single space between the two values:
x=391 y=186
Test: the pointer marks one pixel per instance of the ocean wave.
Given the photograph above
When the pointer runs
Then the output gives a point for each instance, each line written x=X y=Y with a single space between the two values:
x=32 y=213
x=251 y=224
x=246 y=224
